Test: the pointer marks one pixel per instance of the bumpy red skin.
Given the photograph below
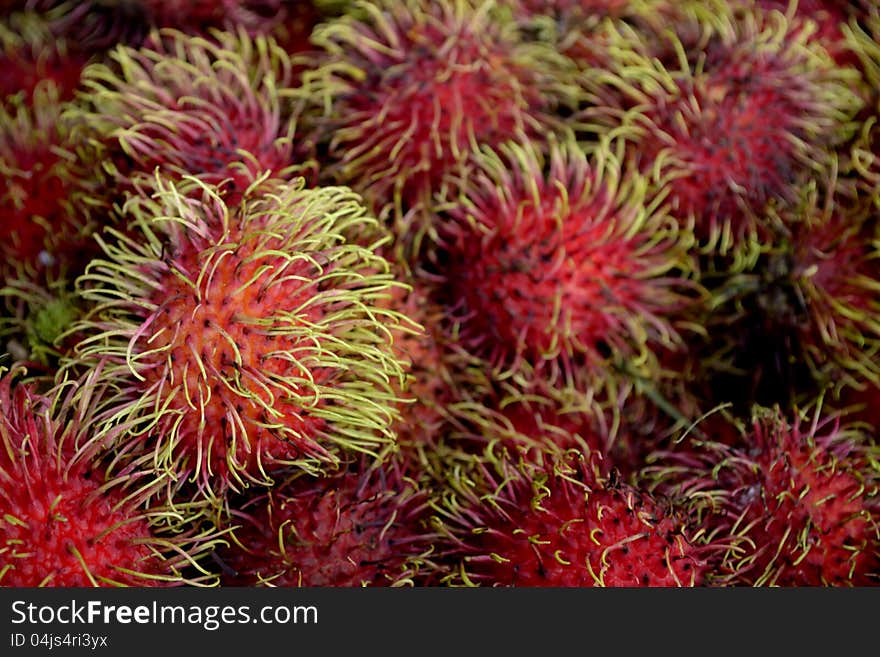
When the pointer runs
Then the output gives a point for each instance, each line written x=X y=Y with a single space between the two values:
x=800 y=505
x=573 y=536
x=60 y=509
x=356 y=528
x=446 y=85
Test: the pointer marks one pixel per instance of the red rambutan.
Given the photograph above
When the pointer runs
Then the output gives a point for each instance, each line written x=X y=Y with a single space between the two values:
x=797 y=501
x=362 y=526
x=216 y=109
x=731 y=123
x=243 y=340
x=552 y=525
x=61 y=523
x=45 y=218
x=32 y=56
x=411 y=88
x=560 y=267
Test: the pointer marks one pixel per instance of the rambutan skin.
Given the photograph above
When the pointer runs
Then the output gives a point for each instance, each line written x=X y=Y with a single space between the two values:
x=243 y=339
x=217 y=108
x=731 y=119
x=32 y=57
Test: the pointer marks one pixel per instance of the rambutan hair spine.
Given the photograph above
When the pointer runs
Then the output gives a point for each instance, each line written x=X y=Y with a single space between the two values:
x=243 y=340
x=506 y=520
x=796 y=501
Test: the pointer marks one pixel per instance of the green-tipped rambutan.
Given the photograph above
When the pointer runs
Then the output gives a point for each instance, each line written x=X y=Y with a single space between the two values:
x=362 y=526
x=732 y=119
x=214 y=108
x=412 y=88
x=796 y=500
x=61 y=522
x=243 y=339
x=561 y=267
x=509 y=523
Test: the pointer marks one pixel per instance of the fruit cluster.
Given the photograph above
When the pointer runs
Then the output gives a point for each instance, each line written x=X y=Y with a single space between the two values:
x=440 y=293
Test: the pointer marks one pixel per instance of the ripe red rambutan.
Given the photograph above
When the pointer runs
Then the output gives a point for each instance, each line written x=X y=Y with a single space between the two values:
x=508 y=523
x=731 y=124
x=61 y=523
x=92 y=25
x=529 y=422
x=216 y=109
x=560 y=267
x=45 y=218
x=797 y=501
x=31 y=57
x=244 y=339
x=362 y=526
x=411 y=88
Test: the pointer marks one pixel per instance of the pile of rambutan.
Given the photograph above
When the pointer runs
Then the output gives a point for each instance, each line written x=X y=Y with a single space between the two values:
x=518 y=293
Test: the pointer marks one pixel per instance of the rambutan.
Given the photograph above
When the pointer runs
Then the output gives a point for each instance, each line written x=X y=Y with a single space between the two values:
x=362 y=526
x=805 y=317
x=560 y=267
x=412 y=88
x=216 y=109
x=61 y=523
x=45 y=217
x=732 y=122
x=797 y=501
x=32 y=56
x=509 y=523
x=242 y=340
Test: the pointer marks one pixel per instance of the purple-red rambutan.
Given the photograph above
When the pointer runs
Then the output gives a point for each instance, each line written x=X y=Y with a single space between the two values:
x=560 y=267
x=797 y=501
x=362 y=526
x=517 y=523
x=731 y=123
x=411 y=88
x=61 y=522
x=242 y=340
x=217 y=109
